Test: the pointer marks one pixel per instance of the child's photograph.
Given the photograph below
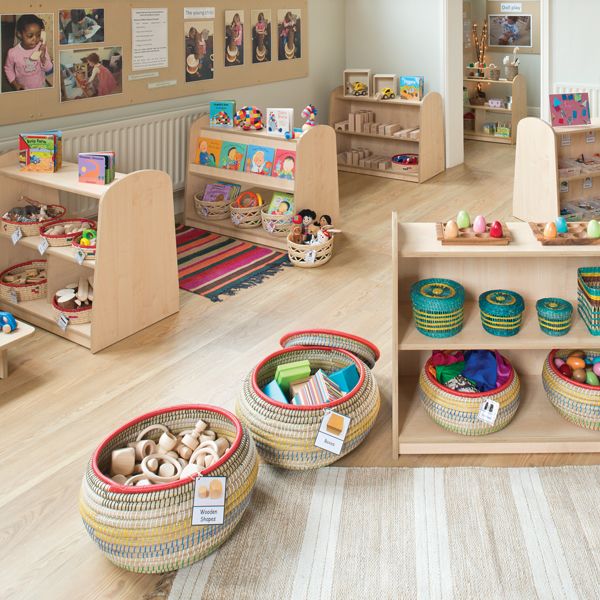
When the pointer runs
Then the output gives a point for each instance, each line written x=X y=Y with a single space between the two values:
x=91 y=72
x=27 y=51
x=234 y=38
x=199 y=56
x=510 y=30
x=261 y=35
x=289 y=31
x=81 y=26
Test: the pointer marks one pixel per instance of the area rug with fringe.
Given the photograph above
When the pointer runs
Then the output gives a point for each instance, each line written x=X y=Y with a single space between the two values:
x=214 y=265
x=443 y=533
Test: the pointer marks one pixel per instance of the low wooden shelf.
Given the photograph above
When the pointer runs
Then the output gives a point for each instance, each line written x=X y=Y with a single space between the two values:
x=533 y=270
x=315 y=185
x=135 y=270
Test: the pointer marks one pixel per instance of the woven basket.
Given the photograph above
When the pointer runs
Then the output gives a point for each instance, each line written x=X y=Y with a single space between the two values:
x=457 y=411
x=211 y=211
x=501 y=312
x=90 y=251
x=511 y=72
x=65 y=239
x=30 y=229
x=588 y=297
x=578 y=403
x=494 y=73
x=438 y=307
x=285 y=434
x=77 y=316
x=278 y=225
x=246 y=218
x=309 y=256
x=554 y=316
x=25 y=292
x=149 y=529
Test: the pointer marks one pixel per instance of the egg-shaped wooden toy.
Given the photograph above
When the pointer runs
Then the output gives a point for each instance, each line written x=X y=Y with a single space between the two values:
x=496 y=230
x=463 y=220
x=479 y=224
x=579 y=375
x=451 y=230
x=566 y=370
x=576 y=363
x=596 y=368
x=559 y=362
x=561 y=225
x=577 y=354
x=593 y=229
x=550 y=231
x=591 y=378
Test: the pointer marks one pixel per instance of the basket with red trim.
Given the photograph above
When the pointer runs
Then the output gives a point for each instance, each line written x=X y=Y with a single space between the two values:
x=65 y=239
x=149 y=529
x=23 y=292
x=55 y=212
x=90 y=251
x=458 y=411
x=285 y=434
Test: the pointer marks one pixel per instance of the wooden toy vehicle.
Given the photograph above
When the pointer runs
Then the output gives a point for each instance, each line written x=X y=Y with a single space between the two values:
x=386 y=94
x=8 y=322
x=358 y=89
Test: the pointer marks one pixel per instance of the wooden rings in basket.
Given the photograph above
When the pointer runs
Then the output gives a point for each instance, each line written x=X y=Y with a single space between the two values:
x=33 y=288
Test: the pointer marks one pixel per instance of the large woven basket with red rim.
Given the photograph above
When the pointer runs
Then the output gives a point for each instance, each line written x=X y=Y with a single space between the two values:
x=285 y=434
x=579 y=403
x=65 y=239
x=24 y=291
x=29 y=229
x=458 y=411
x=149 y=529
x=77 y=316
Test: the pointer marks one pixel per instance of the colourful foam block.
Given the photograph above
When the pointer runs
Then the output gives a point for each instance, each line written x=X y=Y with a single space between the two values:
x=290 y=372
x=274 y=392
x=318 y=390
x=346 y=378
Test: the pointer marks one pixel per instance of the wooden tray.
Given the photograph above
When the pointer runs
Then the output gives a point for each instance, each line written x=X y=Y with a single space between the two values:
x=577 y=235
x=467 y=237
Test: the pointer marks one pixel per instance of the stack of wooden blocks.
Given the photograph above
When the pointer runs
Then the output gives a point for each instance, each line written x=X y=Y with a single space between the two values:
x=363 y=121
x=363 y=157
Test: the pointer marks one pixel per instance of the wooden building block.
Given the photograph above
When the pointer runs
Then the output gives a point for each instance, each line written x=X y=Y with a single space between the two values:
x=335 y=424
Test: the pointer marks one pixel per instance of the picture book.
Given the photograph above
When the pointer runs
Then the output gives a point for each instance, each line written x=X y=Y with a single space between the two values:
x=281 y=204
x=280 y=121
x=221 y=113
x=234 y=189
x=41 y=152
x=96 y=167
x=232 y=156
x=208 y=151
x=259 y=159
x=411 y=88
x=216 y=192
x=284 y=166
x=570 y=109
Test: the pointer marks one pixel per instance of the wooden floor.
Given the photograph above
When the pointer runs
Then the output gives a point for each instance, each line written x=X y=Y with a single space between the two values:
x=60 y=401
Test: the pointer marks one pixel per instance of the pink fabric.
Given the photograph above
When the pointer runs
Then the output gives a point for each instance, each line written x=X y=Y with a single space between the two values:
x=261 y=27
x=237 y=32
x=503 y=370
x=439 y=358
x=106 y=82
x=31 y=74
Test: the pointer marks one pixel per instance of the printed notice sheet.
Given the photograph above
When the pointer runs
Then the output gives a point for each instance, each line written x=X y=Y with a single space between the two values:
x=149 y=34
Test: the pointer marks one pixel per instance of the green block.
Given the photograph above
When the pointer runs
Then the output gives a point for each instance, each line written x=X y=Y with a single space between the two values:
x=290 y=372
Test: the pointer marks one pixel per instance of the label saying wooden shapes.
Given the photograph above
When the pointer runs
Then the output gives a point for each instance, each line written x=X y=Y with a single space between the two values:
x=80 y=256
x=14 y=297
x=332 y=432
x=209 y=501
x=62 y=322
x=310 y=256
x=17 y=234
x=488 y=411
x=43 y=246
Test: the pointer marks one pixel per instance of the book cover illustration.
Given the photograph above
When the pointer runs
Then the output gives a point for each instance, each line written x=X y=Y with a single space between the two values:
x=232 y=156
x=221 y=114
x=280 y=121
x=281 y=204
x=284 y=166
x=216 y=192
x=41 y=152
x=208 y=151
x=411 y=88
x=259 y=159
x=570 y=109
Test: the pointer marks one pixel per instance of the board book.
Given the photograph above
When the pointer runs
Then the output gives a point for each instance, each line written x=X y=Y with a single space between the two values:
x=208 y=151
x=284 y=166
x=259 y=160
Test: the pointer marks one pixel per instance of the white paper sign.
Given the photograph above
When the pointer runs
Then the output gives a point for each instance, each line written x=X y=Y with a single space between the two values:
x=488 y=411
x=511 y=7
x=62 y=322
x=565 y=140
x=14 y=297
x=43 y=246
x=80 y=256
x=149 y=75
x=332 y=432
x=199 y=12
x=17 y=234
x=150 y=39
x=161 y=84
x=587 y=183
x=209 y=501
x=590 y=137
x=310 y=256
x=564 y=187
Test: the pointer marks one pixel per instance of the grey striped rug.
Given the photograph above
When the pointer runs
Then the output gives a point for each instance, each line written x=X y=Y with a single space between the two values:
x=461 y=533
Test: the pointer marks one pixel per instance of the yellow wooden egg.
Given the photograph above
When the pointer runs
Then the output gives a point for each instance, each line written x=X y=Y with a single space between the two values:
x=550 y=230
x=451 y=230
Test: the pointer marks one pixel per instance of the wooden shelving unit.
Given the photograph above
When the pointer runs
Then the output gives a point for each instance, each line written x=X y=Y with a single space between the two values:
x=517 y=88
x=533 y=270
x=135 y=271
x=315 y=185
x=537 y=187
x=427 y=115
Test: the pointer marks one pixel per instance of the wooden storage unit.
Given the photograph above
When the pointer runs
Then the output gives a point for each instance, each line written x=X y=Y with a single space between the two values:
x=427 y=115
x=315 y=185
x=135 y=270
x=540 y=149
x=517 y=88
x=524 y=266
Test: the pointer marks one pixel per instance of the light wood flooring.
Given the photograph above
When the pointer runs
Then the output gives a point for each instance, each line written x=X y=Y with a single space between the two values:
x=60 y=401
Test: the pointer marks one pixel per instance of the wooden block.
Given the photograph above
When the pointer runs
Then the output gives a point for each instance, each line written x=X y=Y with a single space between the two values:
x=335 y=424
x=358 y=122
x=215 y=489
x=393 y=128
x=341 y=126
x=381 y=128
x=414 y=134
x=351 y=122
x=202 y=492
x=348 y=158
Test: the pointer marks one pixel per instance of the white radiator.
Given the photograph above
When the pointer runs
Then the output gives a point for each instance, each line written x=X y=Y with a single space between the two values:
x=592 y=90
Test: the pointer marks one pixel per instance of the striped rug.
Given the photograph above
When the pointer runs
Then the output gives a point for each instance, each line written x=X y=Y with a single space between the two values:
x=448 y=534
x=213 y=265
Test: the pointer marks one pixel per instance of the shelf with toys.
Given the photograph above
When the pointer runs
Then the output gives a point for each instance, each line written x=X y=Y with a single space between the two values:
x=126 y=267
x=301 y=169
x=536 y=426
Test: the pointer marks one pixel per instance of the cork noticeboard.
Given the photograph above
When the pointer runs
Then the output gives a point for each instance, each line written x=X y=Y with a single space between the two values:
x=288 y=59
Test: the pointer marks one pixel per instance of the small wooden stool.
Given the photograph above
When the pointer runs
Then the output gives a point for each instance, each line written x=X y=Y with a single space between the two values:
x=6 y=339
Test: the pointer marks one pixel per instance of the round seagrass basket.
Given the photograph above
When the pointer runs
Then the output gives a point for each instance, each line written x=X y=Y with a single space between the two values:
x=275 y=224
x=285 y=434
x=246 y=217
x=29 y=229
x=89 y=251
x=578 y=403
x=23 y=291
x=149 y=529
x=211 y=210
x=457 y=411
x=308 y=256
x=77 y=316
x=65 y=239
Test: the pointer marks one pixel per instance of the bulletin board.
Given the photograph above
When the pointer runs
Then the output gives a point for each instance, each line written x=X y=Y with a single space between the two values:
x=527 y=14
x=186 y=48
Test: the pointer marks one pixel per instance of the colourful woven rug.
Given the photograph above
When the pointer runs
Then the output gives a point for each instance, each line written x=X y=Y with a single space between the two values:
x=213 y=265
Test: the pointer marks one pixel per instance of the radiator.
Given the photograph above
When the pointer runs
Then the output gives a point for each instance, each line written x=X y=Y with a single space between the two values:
x=592 y=90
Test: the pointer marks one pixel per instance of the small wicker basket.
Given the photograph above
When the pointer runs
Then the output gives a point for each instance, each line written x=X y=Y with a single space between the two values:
x=31 y=229
x=511 y=72
x=65 y=239
x=90 y=251
x=309 y=256
x=211 y=211
x=438 y=307
x=77 y=316
x=501 y=312
x=588 y=297
x=494 y=73
x=554 y=316
x=25 y=291
x=278 y=225
x=246 y=218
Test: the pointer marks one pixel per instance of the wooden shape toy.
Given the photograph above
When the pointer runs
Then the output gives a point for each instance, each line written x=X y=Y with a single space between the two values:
x=468 y=237
x=335 y=424
x=215 y=489
x=577 y=235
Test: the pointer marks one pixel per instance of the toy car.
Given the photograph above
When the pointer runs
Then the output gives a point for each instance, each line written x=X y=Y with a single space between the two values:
x=358 y=89
x=7 y=322
x=386 y=94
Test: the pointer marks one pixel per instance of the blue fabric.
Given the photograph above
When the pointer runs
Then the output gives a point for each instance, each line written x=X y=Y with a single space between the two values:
x=481 y=369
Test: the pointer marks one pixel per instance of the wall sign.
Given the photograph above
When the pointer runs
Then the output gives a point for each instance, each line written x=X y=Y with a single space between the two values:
x=149 y=38
x=511 y=7
x=199 y=12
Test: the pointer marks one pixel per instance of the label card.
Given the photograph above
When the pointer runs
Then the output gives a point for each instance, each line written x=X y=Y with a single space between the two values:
x=14 y=297
x=488 y=411
x=565 y=140
x=62 y=322
x=17 y=234
x=80 y=256
x=209 y=501
x=199 y=12
x=43 y=246
x=564 y=187
x=590 y=137
x=587 y=183
x=310 y=256
x=332 y=432
x=511 y=7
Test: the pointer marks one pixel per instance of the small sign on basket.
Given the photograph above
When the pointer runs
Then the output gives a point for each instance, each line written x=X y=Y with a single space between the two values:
x=80 y=256
x=62 y=322
x=43 y=246
x=310 y=256
x=14 y=297
x=587 y=183
x=488 y=411
x=237 y=219
x=209 y=501
x=204 y=211
x=17 y=234
x=565 y=140
x=590 y=137
x=270 y=226
x=332 y=432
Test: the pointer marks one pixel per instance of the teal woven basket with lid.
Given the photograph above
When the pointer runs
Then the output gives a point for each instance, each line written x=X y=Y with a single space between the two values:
x=501 y=312
x=554 y=315
x=438 y=307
